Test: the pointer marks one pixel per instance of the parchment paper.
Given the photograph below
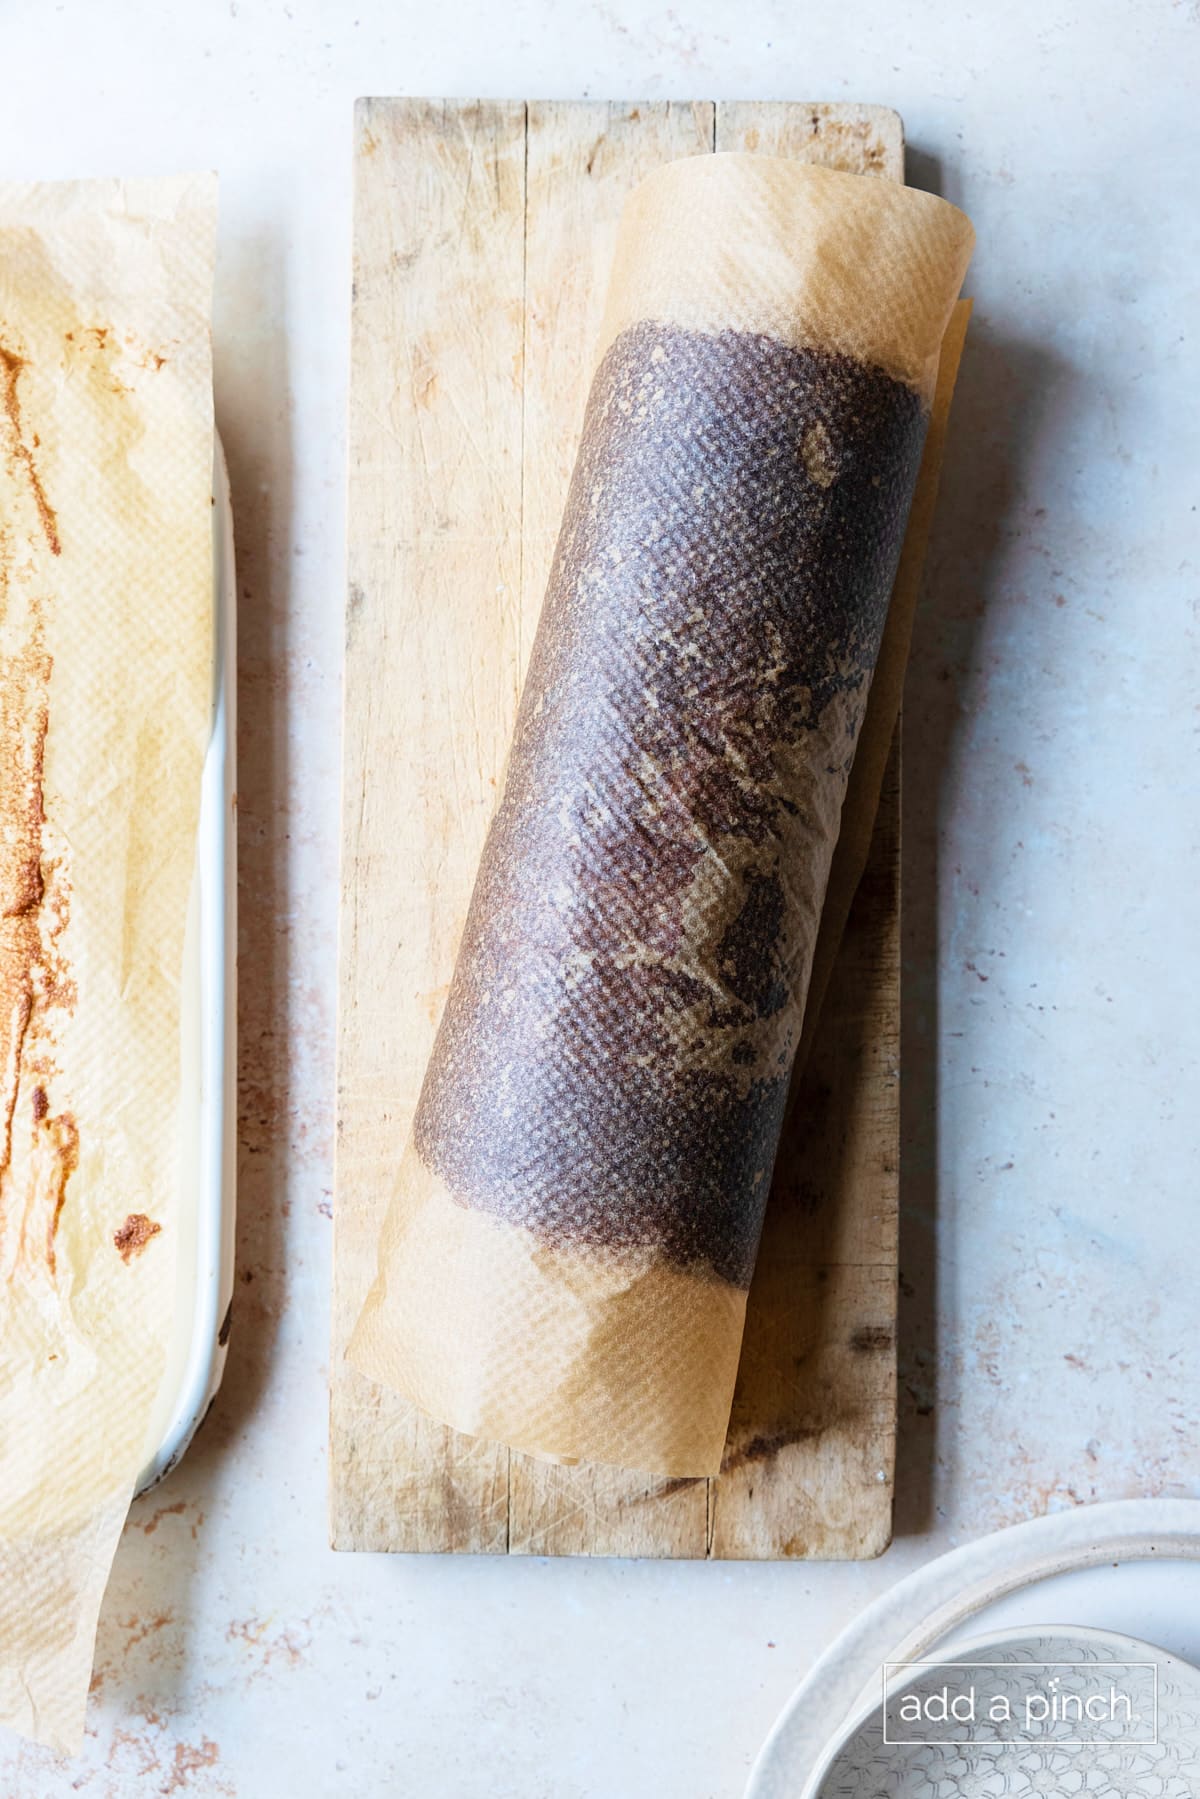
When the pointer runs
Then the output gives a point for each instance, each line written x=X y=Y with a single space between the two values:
x=861 y=805
x=106 y=645
x=542 y=1310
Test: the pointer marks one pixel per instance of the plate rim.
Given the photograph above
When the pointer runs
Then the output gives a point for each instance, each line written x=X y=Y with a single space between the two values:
x=922 y=1609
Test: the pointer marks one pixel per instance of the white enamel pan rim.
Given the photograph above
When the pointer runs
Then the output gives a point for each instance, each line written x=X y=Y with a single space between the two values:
x=204 y=1290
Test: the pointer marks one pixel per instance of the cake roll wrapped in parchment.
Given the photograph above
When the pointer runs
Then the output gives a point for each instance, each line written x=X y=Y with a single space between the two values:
x=566 y=1258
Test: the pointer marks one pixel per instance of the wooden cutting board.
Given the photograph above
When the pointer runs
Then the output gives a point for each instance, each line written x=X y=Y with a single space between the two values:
x=482 y=237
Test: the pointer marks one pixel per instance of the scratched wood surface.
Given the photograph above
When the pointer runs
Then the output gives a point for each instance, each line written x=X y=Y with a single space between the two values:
x=483 y=232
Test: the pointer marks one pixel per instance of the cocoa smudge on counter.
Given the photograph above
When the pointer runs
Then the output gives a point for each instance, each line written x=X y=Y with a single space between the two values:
x=613 y=1061
x=163 y=1511
x=134 y=1235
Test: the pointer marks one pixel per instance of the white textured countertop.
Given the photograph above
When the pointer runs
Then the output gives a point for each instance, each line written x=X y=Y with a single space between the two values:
x=1052 y=868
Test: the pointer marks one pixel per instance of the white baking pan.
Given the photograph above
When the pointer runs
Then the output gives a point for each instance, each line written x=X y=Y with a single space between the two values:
x=196 y=1354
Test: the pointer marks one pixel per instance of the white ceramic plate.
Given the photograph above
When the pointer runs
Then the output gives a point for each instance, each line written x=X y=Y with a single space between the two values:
x=1131 y=1566
x=196 y=1354
x=1024 y=1730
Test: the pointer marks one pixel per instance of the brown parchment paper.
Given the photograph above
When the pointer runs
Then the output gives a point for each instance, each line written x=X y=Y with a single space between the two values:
x=559 y=1324
x=106 y=645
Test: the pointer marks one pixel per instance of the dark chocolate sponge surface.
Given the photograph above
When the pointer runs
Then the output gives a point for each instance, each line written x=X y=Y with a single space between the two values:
x=613 y=1062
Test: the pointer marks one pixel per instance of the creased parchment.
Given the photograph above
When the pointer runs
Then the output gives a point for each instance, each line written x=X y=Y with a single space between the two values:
x=106 y=646
x=861 y=804
x=565 y=1263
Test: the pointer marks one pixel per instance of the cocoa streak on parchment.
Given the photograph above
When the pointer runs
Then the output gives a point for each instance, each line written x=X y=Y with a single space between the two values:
x=10 y=374
x=34 y=889
x=62 y=1133
x=24 y=720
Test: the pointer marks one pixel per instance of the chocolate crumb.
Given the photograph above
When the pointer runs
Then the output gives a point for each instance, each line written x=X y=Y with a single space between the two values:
x=134 y=1235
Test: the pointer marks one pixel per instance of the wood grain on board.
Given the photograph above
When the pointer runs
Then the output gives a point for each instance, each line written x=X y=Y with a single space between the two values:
x=483 y=232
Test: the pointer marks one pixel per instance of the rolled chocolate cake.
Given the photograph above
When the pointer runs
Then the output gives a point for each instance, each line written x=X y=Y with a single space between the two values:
x=565 y=1263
